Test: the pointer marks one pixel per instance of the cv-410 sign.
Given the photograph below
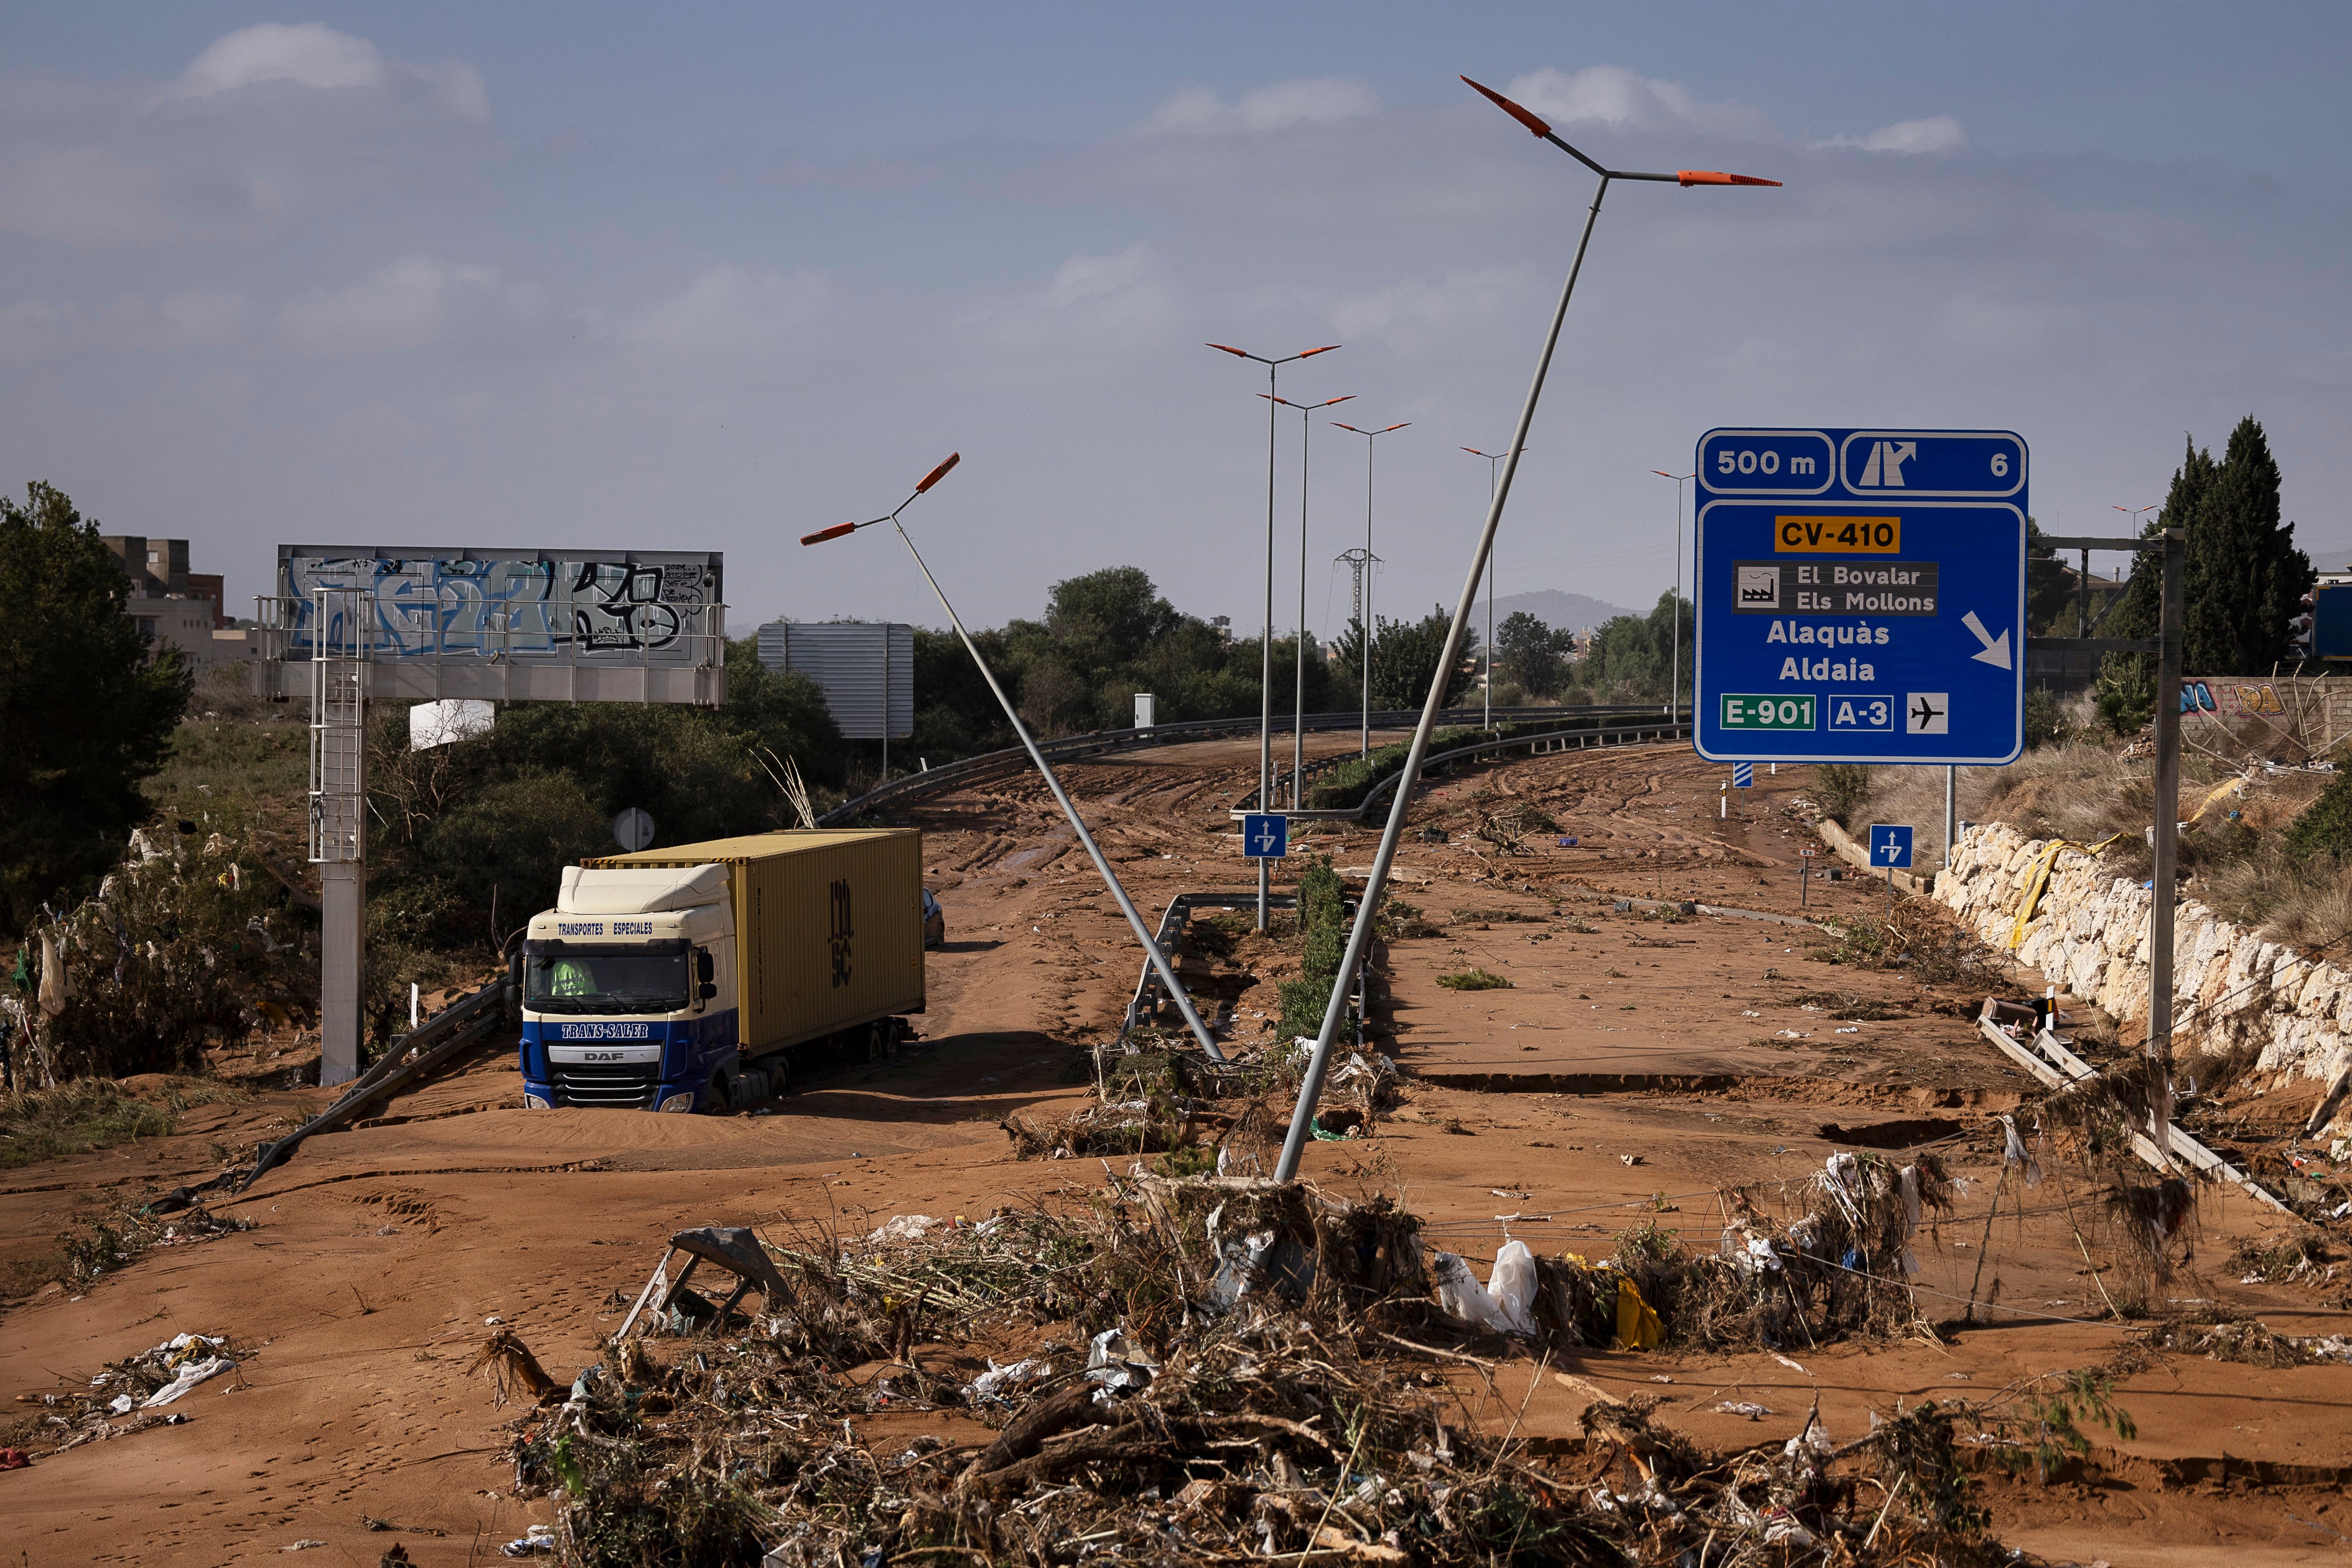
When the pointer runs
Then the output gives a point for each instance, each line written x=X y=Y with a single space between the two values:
x=1860 y=595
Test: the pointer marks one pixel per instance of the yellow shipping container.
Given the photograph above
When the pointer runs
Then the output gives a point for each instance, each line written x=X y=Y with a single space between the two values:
x=828 y=926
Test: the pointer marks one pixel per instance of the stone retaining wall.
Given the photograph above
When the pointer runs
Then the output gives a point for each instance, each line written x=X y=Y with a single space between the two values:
x=2090 y=934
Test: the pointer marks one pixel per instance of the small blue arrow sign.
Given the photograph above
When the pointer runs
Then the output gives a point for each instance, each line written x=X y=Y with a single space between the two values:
x=1743 y=775
x=1890 y=845
x=1265 y=836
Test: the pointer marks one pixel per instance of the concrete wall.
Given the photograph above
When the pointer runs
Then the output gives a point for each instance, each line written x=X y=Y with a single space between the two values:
x=2090 y=935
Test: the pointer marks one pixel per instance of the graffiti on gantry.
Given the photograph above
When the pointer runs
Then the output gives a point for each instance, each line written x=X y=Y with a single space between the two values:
x=441 y=607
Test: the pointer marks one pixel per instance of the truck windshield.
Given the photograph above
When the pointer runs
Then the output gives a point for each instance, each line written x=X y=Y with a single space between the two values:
x=574 y=979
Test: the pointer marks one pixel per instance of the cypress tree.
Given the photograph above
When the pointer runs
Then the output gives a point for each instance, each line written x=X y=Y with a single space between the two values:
x=2245 y=576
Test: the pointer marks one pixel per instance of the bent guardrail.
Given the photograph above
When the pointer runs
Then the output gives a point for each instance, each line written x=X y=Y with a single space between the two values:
x=971 y=770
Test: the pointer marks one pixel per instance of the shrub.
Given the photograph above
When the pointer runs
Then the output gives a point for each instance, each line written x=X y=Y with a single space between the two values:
x=2327 y=822
x=1474 y=980
x=1840 y=789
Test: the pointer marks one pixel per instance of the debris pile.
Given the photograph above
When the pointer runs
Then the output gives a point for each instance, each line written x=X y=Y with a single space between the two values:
x=1243 y=1371
x=128 y=1395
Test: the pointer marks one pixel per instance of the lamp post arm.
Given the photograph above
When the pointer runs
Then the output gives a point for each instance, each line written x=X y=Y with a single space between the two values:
x=1110 y=878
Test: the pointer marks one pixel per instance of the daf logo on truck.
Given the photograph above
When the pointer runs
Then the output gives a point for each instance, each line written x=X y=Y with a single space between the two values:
x=751 y=957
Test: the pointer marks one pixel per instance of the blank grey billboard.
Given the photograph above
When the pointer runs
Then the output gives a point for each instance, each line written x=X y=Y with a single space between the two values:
x=855 y=663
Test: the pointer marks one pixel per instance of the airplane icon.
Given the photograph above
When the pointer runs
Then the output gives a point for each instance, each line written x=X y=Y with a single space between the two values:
x=1927 y=714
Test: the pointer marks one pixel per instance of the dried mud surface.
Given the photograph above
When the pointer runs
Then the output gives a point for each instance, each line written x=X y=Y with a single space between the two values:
x=1629 y=1072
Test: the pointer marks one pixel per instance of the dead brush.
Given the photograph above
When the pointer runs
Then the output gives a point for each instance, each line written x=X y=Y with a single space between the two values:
x=1254 y=1389
x=1923 y=943
x=2302 y=900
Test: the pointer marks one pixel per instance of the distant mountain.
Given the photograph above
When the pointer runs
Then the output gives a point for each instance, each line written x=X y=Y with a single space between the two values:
x=2328 y=551
x=1560 y=611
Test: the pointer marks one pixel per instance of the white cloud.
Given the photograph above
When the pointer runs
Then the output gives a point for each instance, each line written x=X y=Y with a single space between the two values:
x=406 y=305
x=192 y=319
x=83 y=198
x=1621 y=99
x=1416 y=314
x=313 y=55
x=35 y=329
x=1094 y=303
x=1313 y=101
x=729 y=312
x=1937 y=133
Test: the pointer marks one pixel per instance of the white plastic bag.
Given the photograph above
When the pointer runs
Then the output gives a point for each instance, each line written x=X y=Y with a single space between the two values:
x=1459 y=1292
x=1511 y=1285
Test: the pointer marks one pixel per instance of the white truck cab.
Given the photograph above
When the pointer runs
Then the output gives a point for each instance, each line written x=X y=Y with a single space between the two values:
x=629 y=990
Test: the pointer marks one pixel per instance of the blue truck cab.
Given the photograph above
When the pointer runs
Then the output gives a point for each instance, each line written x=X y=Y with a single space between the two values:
x=630 y=991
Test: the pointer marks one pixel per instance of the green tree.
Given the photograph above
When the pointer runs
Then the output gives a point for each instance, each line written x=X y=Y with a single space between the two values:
x=86 y=704
x=1633 y=657
x=1404 y=659
x=2243 y=578
x=1533 y=655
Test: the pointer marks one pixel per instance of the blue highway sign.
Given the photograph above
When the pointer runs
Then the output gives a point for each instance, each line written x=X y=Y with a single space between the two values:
x=1743 y=775
x=1265 y=834
x=1890 y=845
x=1860 y=595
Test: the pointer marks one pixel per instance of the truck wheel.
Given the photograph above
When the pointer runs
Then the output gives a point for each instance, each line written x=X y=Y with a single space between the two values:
x=721 y=1095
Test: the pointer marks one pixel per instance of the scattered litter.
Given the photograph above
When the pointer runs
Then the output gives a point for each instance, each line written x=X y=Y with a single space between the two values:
x=1743 y=1408
x=492 y=1322
x=14 y=1460
x=999 y=1380
x=1850 y=1029
x=1632 y=1159
x=902 y=1227
x=302 y=1545
x=538 y=1537
x=1793 y=1366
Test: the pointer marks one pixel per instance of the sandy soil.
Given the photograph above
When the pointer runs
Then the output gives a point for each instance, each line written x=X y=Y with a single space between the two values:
x=1634 y=1070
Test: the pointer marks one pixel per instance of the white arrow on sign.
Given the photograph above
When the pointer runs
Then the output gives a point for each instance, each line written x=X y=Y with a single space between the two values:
x=1995 y=651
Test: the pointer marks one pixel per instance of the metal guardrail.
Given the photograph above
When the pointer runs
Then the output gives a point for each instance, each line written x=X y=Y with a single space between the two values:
x=1145 y=1005
x=410 y=1057
x=954 y=775
x=1627 y=735
x=1555 y=726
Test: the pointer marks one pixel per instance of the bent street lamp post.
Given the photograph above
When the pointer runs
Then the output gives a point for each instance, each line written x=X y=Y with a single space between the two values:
x=1299 y=642
x=1266 y=646
x=1365 y=630
x=1359 y=937
x=1675 y=682
x=1492 y=459
x=1126 y=906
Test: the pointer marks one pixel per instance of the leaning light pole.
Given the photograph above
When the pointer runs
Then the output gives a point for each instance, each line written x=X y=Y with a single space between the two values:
x=1492 y=459
x=1299 y=642
x=1364 y=629
x=1266 y=646
x=1319 y=1065
x=1675 y=681
x=1160 y=964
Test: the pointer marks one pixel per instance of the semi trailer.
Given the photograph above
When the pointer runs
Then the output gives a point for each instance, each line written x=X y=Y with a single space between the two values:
x=683 y=979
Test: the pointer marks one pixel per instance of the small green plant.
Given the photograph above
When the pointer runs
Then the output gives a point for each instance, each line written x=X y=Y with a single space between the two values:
x=2050 y=1431
x=1474 y=980
x=2045 y=720
x=1840 y=789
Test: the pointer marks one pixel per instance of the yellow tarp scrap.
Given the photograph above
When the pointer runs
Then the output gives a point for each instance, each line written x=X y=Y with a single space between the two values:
x=2039 y=881
x=1638 y=1328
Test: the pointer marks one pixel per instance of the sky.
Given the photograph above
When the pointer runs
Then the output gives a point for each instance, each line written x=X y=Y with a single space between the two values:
x=715 y=275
